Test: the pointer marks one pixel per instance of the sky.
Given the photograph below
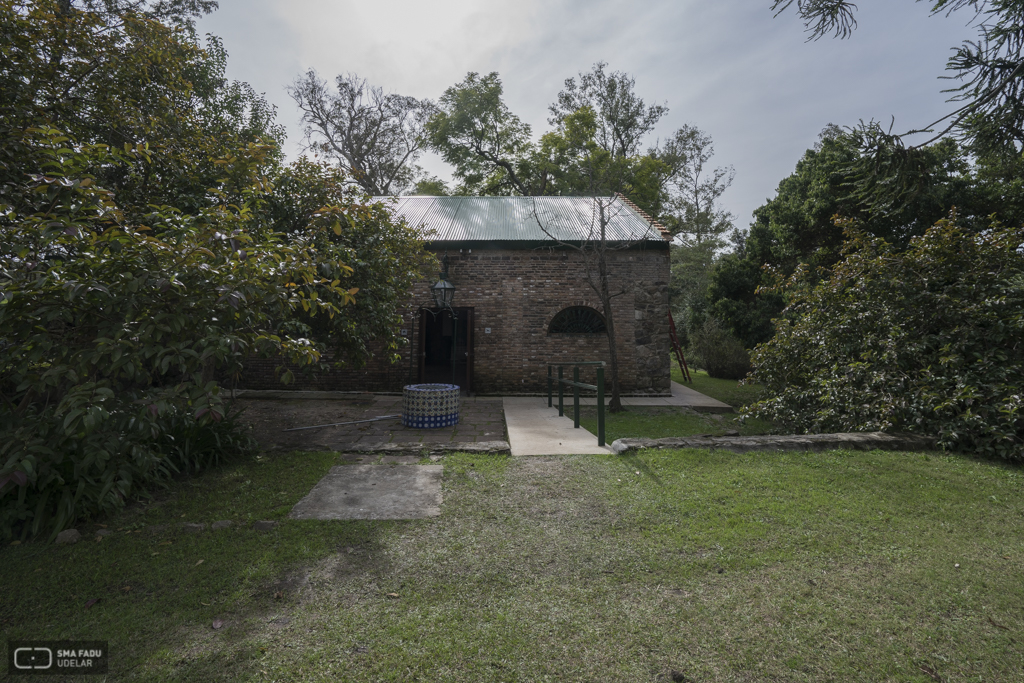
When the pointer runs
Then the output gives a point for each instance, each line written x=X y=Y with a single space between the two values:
x=751 y=81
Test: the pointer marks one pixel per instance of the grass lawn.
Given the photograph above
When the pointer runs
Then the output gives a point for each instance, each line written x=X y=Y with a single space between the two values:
x=667 y=565
x=656 y=422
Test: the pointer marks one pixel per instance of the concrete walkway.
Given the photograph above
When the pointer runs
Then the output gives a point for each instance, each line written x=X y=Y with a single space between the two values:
x=535 y=429
x=682 y=397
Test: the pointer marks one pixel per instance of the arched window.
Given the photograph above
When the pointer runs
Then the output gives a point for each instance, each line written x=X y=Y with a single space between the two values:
x=577 y=320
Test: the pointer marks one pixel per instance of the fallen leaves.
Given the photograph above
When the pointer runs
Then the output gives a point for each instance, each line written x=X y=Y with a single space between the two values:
x=200 y=562
x=90 y=603
x=393 y=595
x=217 y=624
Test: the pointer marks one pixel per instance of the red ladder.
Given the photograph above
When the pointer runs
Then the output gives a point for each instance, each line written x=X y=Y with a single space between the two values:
x=677 y=349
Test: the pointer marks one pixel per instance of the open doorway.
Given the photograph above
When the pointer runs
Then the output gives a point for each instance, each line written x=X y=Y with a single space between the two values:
x=437 y=329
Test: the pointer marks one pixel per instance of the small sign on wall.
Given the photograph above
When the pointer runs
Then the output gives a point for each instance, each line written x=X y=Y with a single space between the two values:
x=404 y=332
x=487 y=330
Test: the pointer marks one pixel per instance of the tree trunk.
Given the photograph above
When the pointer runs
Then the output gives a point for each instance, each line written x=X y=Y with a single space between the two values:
x=615 y=405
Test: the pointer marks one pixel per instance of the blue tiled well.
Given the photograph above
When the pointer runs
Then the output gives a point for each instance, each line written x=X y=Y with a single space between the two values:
x=430 y=406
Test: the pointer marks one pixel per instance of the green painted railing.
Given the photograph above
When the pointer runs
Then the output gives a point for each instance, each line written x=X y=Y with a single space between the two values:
x=576 y=386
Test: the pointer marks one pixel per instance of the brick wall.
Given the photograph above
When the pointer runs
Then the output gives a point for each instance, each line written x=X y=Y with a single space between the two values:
x=516 y=293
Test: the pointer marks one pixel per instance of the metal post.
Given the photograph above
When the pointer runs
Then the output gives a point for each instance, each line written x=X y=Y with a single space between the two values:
x=561 y=391
x=576 y=397
x=549 y=386
x=600 y=406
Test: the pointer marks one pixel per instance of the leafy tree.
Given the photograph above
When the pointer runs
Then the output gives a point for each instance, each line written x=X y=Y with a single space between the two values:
x=490 y=148
x=599 y=125
x=313 y=207
x=736 y=298
x=990 y=121
x=126 y=79
x=925 y=339
x=431 y=186
x=113 y=330
x=623 y=119
x=133 y=275
x=797 y=226
x=697 y=221
x=688 y=287
x=493 y=152
x=374 y=136
x=178 y=12
x=695 y=214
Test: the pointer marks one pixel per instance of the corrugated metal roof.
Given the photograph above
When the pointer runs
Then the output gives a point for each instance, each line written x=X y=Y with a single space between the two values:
x=534 y=219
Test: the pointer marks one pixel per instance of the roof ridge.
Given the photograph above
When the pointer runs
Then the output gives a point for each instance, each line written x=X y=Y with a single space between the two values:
x=666 y=235
x=508 y=218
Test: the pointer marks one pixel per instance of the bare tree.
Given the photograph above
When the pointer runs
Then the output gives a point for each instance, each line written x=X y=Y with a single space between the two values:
x=595 y=245
x=375 y=136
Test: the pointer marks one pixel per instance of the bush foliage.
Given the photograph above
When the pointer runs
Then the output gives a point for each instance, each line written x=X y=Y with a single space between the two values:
x=927 y=340
x=149 y=242
x=715 y=350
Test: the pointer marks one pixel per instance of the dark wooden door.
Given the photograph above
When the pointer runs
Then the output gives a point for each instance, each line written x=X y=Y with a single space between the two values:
x=421 y=351
x=469 y=349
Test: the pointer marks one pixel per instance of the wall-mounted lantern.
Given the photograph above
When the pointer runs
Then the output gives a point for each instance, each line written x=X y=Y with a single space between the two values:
x=443 y=291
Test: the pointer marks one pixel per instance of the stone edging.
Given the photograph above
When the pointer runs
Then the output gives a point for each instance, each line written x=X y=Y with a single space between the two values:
x=861 y=441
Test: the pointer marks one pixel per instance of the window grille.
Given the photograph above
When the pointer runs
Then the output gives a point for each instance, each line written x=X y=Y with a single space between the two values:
x=577 y=320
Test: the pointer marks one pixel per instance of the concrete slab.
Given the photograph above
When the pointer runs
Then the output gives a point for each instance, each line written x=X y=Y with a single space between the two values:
x=535 y=429
x=698 y=401
x=682 y=397
x=374 y=492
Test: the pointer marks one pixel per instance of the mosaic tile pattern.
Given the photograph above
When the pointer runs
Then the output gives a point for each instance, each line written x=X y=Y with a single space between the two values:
x=430 y=406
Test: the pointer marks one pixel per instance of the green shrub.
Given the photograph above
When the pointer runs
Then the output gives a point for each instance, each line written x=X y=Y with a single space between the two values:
x=718 y=352
x=112 y=453
x=150 y=242
x=927 y=340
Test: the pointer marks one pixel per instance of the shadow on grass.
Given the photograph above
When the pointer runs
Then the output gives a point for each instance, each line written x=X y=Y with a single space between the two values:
x=636 y=463
x=159 y=594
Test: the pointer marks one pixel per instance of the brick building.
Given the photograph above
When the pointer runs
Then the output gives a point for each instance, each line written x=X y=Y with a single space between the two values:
x=522 y=298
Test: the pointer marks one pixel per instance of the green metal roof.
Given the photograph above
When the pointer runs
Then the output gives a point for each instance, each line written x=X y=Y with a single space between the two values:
x=528 y=219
